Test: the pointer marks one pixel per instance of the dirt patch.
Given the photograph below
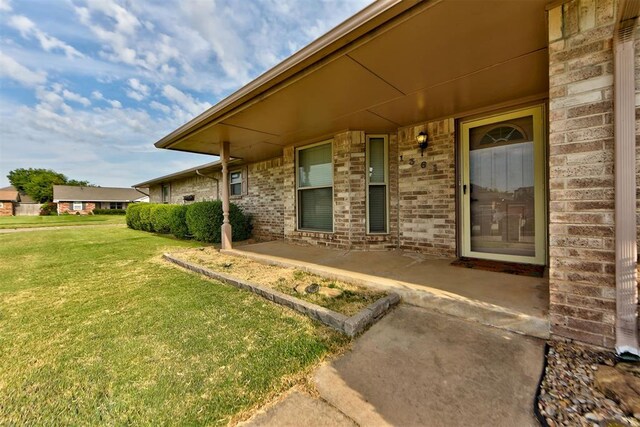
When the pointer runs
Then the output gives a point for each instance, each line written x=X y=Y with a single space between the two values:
x=335 y=295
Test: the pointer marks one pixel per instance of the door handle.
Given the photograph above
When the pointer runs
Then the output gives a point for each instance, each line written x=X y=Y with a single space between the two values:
x=464 y=189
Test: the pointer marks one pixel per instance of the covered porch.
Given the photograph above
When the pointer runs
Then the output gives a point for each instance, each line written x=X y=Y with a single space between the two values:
x=512 y=302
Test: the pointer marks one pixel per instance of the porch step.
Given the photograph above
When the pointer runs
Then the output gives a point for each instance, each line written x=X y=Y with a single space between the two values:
x=422 y=296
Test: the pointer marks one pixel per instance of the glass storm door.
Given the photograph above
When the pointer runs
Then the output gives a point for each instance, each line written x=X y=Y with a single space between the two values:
x=503 y=187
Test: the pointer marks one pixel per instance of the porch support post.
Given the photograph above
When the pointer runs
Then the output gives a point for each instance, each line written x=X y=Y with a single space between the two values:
x=625 y=181
x=226 y=225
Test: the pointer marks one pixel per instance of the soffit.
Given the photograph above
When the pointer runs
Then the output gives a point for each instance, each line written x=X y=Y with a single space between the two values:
x=453 y=39
x=447 y=58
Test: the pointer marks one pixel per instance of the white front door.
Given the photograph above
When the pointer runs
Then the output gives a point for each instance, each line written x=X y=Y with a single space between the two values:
x=503 y=187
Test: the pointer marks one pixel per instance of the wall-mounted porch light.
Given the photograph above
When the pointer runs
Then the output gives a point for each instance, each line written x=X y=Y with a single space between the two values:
x=423 y=142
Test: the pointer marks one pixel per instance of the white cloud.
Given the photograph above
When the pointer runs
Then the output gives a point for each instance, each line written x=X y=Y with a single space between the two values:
x=72 y=96
x=13 y=70
x=189 y=106
x=115 y=37
x=28 y=29
x=138 y=91
x=99 y=96
x=76 y=115
x=5 y=6
x=160 y=107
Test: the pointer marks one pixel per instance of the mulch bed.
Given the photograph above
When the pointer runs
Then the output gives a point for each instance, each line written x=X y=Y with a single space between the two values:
x=501 y=267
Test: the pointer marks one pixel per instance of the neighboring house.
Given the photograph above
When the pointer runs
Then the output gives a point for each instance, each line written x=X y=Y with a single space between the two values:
x=491 y=130
x=8 y=201
x=26 y=205
x=203 y=183
x=83 y=200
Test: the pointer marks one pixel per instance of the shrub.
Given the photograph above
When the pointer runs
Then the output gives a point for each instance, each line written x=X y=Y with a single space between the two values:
x=109 y=212
x=178 y=222
x=48 y=208
x=133 y=216
x=160 y=217
x=204 y=220
x=145 y=217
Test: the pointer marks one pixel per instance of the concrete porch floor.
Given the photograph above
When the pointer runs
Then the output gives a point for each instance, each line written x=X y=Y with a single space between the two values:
x=517 y=303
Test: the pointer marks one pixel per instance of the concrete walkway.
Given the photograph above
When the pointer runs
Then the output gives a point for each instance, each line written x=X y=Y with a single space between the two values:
x=418 y=368
x=514 y=303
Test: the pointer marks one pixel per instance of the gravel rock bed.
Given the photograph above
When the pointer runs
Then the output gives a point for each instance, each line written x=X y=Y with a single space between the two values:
x=568 y=396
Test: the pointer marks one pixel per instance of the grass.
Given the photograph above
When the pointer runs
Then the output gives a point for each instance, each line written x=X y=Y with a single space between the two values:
x=95 y=329
x=347 y=299
x=58 y=220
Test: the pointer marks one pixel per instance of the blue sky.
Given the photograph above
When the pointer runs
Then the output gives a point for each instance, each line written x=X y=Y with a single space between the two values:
x=87 y=86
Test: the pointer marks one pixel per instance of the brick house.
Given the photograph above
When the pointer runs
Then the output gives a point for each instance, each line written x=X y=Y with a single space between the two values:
x=8 y=201
x=504 y=131
x=83 y=200
x=25 y=206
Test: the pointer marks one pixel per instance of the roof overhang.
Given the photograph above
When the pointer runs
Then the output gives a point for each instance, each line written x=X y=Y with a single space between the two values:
x=206 y=169
x=393 y=64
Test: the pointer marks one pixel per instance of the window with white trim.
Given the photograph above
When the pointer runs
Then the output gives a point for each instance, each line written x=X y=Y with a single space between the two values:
x=377 y=184
x=115 y=205
x=77 y=206
x=235 y=183
x=314 y=184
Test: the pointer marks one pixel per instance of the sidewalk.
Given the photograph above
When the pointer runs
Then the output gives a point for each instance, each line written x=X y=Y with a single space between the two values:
x=418 y=368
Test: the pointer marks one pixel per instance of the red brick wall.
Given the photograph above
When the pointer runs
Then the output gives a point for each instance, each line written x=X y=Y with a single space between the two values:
x=67 y=207
x=6 y=209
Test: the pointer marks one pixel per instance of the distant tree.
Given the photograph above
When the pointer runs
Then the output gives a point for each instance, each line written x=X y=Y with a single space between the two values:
x=79 y=183
x=38 y=183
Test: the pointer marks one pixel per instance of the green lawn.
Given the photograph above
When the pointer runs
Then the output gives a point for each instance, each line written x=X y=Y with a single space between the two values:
x=96 y=329
x=58 y=221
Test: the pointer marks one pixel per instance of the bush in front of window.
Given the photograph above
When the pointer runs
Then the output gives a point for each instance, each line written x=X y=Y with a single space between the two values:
x=109 y=212
x=204 y=220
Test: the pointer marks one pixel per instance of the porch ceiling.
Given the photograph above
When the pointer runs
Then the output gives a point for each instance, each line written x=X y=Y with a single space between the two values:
x=442 y=58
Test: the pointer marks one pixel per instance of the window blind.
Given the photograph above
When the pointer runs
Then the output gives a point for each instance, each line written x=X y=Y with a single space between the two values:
x=376 y=160
x=377 y=184
x=316 y=209
x=315 y=167
x=315 y=188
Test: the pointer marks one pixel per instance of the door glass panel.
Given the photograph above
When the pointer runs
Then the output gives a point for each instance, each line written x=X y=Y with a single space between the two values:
x=501 y=161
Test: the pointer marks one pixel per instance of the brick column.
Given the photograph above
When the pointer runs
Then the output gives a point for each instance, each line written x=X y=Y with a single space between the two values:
x=581 y=180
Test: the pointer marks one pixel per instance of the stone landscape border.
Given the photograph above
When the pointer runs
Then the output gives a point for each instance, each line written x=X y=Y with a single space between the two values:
x=350 y=326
